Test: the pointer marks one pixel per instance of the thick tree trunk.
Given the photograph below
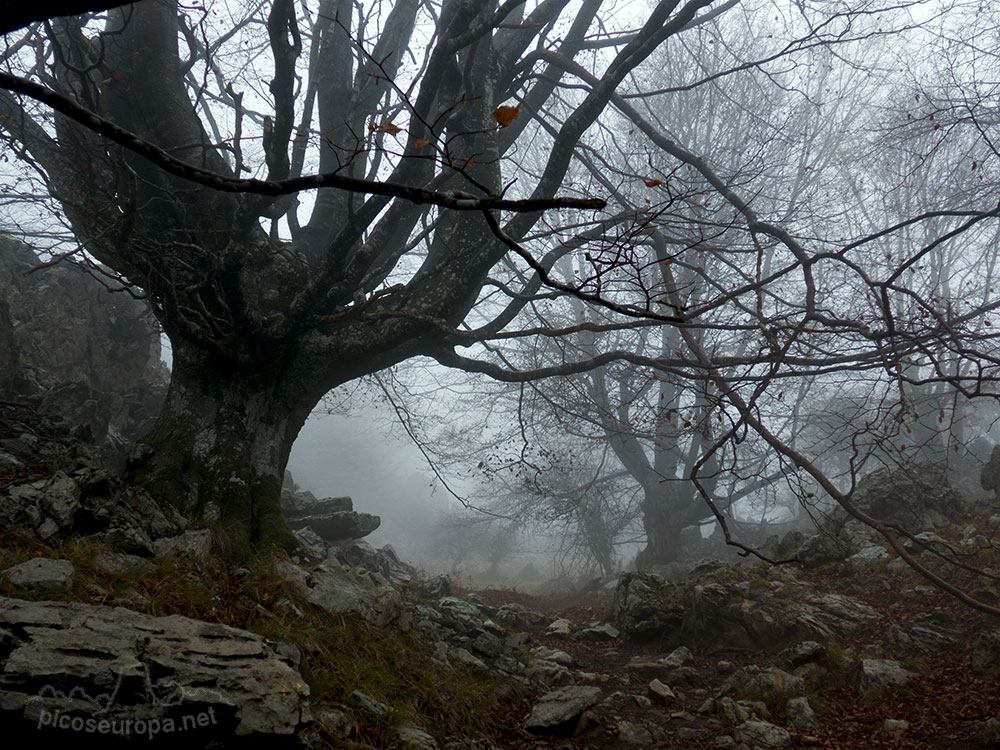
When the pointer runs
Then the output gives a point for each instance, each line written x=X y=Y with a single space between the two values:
x=220 y=445
x=663 y=522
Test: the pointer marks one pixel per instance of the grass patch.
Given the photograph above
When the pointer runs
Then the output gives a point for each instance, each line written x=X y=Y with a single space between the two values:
x=340 y=654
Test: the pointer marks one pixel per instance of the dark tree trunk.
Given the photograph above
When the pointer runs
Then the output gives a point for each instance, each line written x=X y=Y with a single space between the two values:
x=662 y=521
x=220 y=445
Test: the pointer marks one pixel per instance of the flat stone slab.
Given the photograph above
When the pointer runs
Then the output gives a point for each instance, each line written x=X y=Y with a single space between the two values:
x=560 y=710
x=42 y=573
x=88 y=662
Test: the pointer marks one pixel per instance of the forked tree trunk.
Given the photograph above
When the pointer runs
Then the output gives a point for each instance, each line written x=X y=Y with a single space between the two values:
x=220 y=445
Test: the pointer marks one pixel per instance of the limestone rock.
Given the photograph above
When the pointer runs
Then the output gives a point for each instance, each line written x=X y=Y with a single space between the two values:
x=800 y=713
x=519 y=616
x=759 y=681
x=332 y=518
x=553 y=655
x=560 y=628
x=410 y=737
x=717 y=612
x=383 y=561
x=881 y=673
x=194 y=543
x=679 y=657
x=597 y=631
x=647 y=605
x=763 y=734
x=367 y=704
x=630 y=733
x=336 y=590
x=917 y=497
x=661 y=693
x=42 y=573
x=90 y=661
x=559 y=711
x=801 y=653
x=932 y=632
x=821 y=549
x=864 y=559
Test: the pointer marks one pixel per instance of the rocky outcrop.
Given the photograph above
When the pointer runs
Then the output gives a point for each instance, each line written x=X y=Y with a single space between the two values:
x=85 y=353
x=917 y=497
x=719 y=611
x=80 y=672
x=332 y=519
x=89 y=503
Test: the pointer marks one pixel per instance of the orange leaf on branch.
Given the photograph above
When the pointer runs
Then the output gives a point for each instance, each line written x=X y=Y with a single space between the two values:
x=505 y=114
x=386 y=127
x=653 y=183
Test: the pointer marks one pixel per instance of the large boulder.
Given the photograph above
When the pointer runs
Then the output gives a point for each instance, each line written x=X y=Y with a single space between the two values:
x=89 y=354
x=71 y=672
x=917 y=497
x=559 y=711
x=339 y=590
x=646 y=604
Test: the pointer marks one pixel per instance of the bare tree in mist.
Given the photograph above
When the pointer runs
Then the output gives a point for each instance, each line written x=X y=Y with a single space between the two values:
x=837 y=294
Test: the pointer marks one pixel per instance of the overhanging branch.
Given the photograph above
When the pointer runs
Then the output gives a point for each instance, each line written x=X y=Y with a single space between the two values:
x=174 y=166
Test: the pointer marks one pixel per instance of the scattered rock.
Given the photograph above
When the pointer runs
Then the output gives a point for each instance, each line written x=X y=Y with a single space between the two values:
x=598 y=631
x=864 y=559
x=763 y=734
x=630 y=733
x=661 y=693
x=647 y=605
x=42 y=573
x=519 y=616
x=679 y=657
x=801 y=653
x=800 y=713
x=553 y=655
x=926 y=633
x=561 y=628
x=367 y=704
x=895 y=725
x=821 y=549
x=194 y=543
x=881 y=673
x=337 y=723
x=410 y=737
x=757 y=681
x=559 y=711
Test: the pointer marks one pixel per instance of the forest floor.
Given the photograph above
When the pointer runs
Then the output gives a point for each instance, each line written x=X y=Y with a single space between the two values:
x=946 y=705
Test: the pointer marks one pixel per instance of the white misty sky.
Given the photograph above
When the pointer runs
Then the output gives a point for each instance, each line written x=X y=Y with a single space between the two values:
x=383 y=473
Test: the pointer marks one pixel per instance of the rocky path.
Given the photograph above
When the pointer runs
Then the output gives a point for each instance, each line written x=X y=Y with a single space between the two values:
x=881 y=686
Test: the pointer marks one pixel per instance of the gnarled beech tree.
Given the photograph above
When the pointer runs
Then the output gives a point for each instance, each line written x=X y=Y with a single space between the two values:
x=269 y=302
